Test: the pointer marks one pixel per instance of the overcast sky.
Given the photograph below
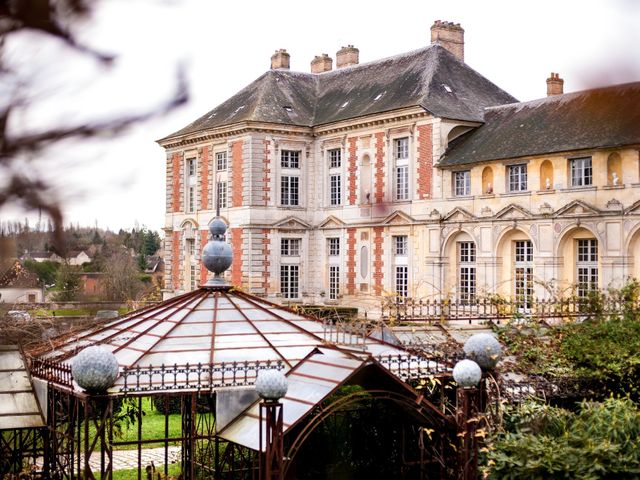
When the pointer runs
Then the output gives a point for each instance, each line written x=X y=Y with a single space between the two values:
x=223 y=46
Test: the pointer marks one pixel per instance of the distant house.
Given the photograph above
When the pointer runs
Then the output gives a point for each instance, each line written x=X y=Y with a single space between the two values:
x=19 y=285
x=72 y=257
x=92 y=283
x=155 y=264
x=38 y=256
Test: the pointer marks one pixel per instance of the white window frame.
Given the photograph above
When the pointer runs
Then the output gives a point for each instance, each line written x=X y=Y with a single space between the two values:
x=222 y=193
x=523 y=273
x=400 y=245
x=290 y=247
x=333 y=246
x=401 y=280
x=290 y=281
x=334 y=282
x=191 y=199
x=581 y=171
x=517 y=178
x=401 y=169
x=222 y=162
x=290 y=158
x=467 y=278
x=587 y=274
x=290 y=194
x=335 y=189
x=335 y=157
x=462 y=183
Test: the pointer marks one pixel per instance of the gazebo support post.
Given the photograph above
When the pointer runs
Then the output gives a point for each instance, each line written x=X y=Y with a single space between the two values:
x=468 y=400
x=271 y=461
x=97 y=410
x=188 y=434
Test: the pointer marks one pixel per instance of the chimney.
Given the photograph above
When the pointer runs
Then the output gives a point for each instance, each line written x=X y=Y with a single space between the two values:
x=555 y=85
x=347 y=56
x=450 y=35
x=280 y=60
x=321 y=63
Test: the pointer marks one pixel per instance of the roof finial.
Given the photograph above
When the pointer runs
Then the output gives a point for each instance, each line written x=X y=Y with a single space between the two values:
x=217 y=254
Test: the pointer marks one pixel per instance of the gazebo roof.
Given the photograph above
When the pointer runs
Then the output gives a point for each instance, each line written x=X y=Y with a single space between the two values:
x=213 y=337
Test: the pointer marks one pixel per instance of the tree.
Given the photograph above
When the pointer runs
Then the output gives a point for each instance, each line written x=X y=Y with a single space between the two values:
x=122 y=280
x=68 y=283
x=52 y=21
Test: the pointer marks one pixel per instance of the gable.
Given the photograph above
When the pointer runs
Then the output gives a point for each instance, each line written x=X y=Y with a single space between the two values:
x=577 y=207
x=331 y=222
x=398 y=218
x=458 y=214
x=291 y=223
x=513 y=211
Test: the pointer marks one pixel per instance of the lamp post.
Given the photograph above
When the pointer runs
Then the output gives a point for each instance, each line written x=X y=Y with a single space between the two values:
x=467 y=374
x=271 y=386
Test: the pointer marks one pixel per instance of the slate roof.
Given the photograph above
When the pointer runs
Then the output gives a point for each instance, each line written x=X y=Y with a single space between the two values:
x=419 y=78
x=18 y=277
x=604 y=117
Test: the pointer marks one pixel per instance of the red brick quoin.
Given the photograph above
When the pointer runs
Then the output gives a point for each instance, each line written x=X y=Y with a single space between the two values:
x=204 y=178
x=177 y=182
x=425 y=161
x=378 y=262
x=353 y=169
x=236 y=174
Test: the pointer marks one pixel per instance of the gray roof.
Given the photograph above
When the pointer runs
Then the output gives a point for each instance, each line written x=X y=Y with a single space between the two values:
x=419 y=78
x=603 y=117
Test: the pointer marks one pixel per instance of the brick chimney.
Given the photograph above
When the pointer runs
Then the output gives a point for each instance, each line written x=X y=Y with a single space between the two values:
x=280 y=60
x=321 y=63
x=555 y=85
x=450 y=35
x=347 y=56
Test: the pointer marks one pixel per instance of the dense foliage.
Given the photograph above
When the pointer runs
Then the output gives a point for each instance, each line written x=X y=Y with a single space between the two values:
x=599 y=441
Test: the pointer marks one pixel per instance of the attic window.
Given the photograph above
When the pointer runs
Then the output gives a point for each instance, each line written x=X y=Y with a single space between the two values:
x=238 y=109
x=288 y=108
x=345 y=104
x=447 y=88
x=379 y=96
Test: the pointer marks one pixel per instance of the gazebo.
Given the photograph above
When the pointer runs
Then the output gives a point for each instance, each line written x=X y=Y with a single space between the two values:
x=200 y=354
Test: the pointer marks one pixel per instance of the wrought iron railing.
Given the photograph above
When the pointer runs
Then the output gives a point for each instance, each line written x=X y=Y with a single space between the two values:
x=348 y=333
x=498 y=309
x=413 y=367
x=53 y=372
x=193 y=377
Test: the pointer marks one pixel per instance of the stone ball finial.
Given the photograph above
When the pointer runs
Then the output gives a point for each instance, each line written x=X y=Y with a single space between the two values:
x=467 y=373
x=217 y=228
x=484 y=349
x=95 y=369
x=217 y=256
x=271 y=384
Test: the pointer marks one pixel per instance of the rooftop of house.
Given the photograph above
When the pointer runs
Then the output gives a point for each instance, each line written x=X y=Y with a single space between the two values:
x=430 y=77
x=18 y=277
x=598 y=118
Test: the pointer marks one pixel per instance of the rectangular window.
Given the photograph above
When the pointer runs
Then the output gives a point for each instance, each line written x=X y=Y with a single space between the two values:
x=587 y=266
x=289 y=190
x=290 y=247
x=334 y=282
x=400 y=245
x=402 y=281
x=466 y=271
x=221 y=161
x=222 y=194
x=462 y=183
x=191 y=200
x=335 y=158
x=401 y=148
x=523 y=287
x=517 y=175
x=289 y=280
x=191 y=167
x=402 y=182
x=336 y=189
x=193 y=279
x=581 y=172
x=290 y=159
x=334 y=247
x=191 y=247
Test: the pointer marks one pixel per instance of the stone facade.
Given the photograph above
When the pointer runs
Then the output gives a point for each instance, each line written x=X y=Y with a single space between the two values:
x=329 y=213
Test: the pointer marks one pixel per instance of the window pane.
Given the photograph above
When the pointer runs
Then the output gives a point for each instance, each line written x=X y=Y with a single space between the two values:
x=517 y=178
x=401 y=147
x=335 y=158
x=334 y=282
x=402 y=182
x=336 y=189
x=402 y=281
x=289 y=190
x=334 y=246
x=401 y=245
x=289 y=281
x=221 y=161
x=290 y=159
x=462 y=183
